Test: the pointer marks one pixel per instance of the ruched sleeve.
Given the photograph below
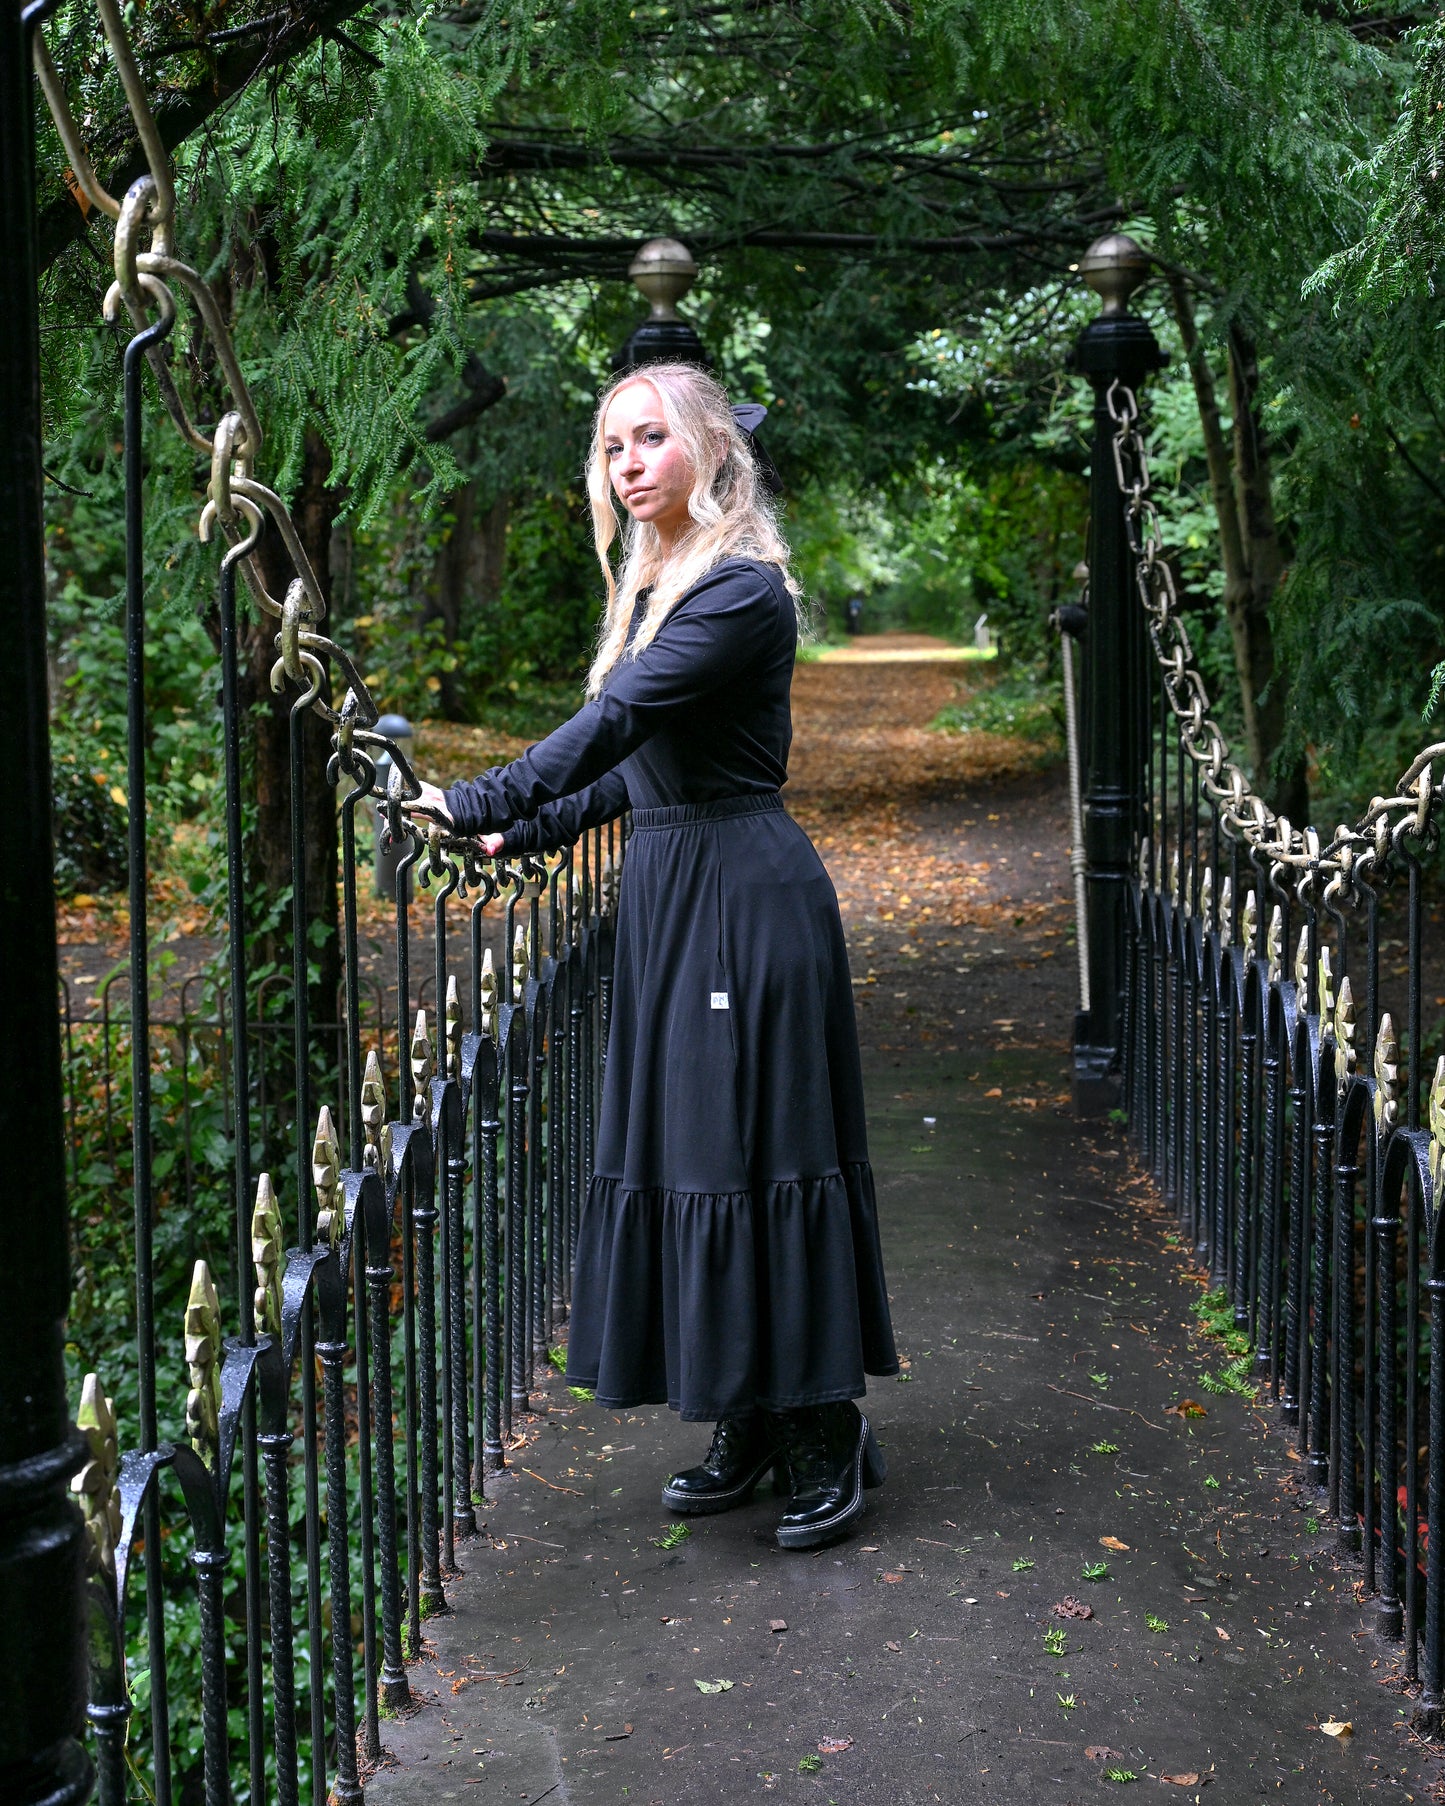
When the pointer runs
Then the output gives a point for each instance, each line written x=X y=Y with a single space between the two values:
x=557 y=825
x=725 y=623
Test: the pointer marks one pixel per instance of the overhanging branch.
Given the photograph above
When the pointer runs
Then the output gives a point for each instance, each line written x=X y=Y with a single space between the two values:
x=181 y=111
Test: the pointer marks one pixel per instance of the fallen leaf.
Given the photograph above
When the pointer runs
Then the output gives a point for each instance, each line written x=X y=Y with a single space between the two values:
x=834 y=1746
x=869 y=1549
x=1221 y=1633
x=1338 y=1727
x=1100 y=1752
x=1112 y=1542
x=1187 y=1407
x=1188 y=1780
x=895 y=1647
x=712 y=1686
x=996 y=1092
x=892 y=1578
x=776 y=1624
x=1069 y=1607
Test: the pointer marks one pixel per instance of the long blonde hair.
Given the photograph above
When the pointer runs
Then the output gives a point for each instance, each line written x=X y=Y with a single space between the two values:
x=732 y=514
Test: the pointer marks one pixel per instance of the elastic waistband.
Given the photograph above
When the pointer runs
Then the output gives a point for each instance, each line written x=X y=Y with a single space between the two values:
x=683 y=815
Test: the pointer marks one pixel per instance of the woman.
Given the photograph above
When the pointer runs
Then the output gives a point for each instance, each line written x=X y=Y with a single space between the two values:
x=728 y=1260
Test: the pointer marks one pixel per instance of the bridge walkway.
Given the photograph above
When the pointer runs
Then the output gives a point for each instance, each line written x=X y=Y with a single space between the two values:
x=1044 y=1305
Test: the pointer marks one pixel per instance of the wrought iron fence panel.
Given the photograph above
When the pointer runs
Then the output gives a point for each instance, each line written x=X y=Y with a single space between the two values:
x=396 y=1256
x=1287 y=1120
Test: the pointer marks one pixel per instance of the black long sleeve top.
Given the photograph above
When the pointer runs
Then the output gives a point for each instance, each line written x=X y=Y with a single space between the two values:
x=700 y=714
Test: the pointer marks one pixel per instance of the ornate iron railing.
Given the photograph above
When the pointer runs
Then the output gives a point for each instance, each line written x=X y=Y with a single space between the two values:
x=400 y=1274
x=1282 y=1109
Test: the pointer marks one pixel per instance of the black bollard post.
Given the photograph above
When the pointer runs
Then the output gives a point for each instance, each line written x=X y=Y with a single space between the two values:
x=42 y=1641
x=1117 y=347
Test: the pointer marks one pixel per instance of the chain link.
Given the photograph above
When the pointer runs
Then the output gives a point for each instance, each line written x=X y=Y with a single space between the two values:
x=236 y=501
x=1295 y=854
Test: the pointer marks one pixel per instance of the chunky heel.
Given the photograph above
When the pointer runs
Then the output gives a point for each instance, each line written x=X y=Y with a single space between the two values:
x=875 y=1468
x=744 y=1449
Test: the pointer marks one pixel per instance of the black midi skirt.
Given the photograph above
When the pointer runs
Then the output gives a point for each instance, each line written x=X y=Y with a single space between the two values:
x=728 y=1251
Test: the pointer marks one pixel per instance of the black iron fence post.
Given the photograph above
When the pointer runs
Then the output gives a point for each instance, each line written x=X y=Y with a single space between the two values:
x=1117 y=347
x=42 y=1642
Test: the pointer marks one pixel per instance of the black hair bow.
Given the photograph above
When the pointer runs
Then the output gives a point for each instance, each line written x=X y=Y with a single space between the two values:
x=750 y=415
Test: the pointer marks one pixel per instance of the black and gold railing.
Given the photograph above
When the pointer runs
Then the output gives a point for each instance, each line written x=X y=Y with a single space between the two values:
x=1275 y=1074
x=402 y=1239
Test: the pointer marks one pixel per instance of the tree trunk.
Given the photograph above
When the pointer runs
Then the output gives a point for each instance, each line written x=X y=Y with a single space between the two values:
x=468 y=570
x=1284 y=783
x=269 y=853
x=1241 y=487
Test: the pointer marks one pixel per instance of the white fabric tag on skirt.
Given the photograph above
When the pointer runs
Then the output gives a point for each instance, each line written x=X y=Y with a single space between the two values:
x=719 y=1000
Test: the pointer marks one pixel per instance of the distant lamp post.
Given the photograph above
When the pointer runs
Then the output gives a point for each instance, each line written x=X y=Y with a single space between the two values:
x=664 y=271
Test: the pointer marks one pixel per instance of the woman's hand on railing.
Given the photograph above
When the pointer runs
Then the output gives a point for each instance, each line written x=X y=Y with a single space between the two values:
x=491 y=844
x=432 y=803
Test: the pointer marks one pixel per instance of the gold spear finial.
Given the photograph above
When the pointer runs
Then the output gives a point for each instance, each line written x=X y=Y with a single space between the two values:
x=96 y=1483
x=1387 y=1076
x=1274 y=946
x=452 y=1037
x=1144 y=848
x=267 y=1251
x=488 y=1024
x=1249 y=921
x=1302 y=966
x=521 y=965
x=609 y=886
x=420 y=1069
x=1345 y=1027
x=203 y=1357
x=1437 y=1125
x=1174 y=874
x=1325 y=991
x=1206 y=895
x=326 y=1180
x=373 y=1109
x=1226 y=910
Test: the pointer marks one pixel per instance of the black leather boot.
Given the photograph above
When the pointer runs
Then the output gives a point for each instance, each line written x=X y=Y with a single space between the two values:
x=832 y=1455
x=743 y=1449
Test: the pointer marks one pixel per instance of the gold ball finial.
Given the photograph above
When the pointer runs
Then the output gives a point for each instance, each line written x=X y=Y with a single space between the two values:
x=664 y=271
x=1114 y=266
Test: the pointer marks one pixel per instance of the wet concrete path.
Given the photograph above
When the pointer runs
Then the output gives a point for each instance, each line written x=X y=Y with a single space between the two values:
x=1043 y=1302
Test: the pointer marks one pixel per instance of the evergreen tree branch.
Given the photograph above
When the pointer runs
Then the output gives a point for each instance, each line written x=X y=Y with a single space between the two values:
x=268 y=44
x=1423 y=475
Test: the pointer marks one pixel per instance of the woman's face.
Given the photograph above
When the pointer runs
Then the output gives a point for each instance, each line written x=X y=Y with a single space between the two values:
x=651 y=474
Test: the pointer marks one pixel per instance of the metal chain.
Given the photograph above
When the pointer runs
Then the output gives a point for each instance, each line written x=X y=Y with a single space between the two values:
x=1297 y=855
x=236 y=502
